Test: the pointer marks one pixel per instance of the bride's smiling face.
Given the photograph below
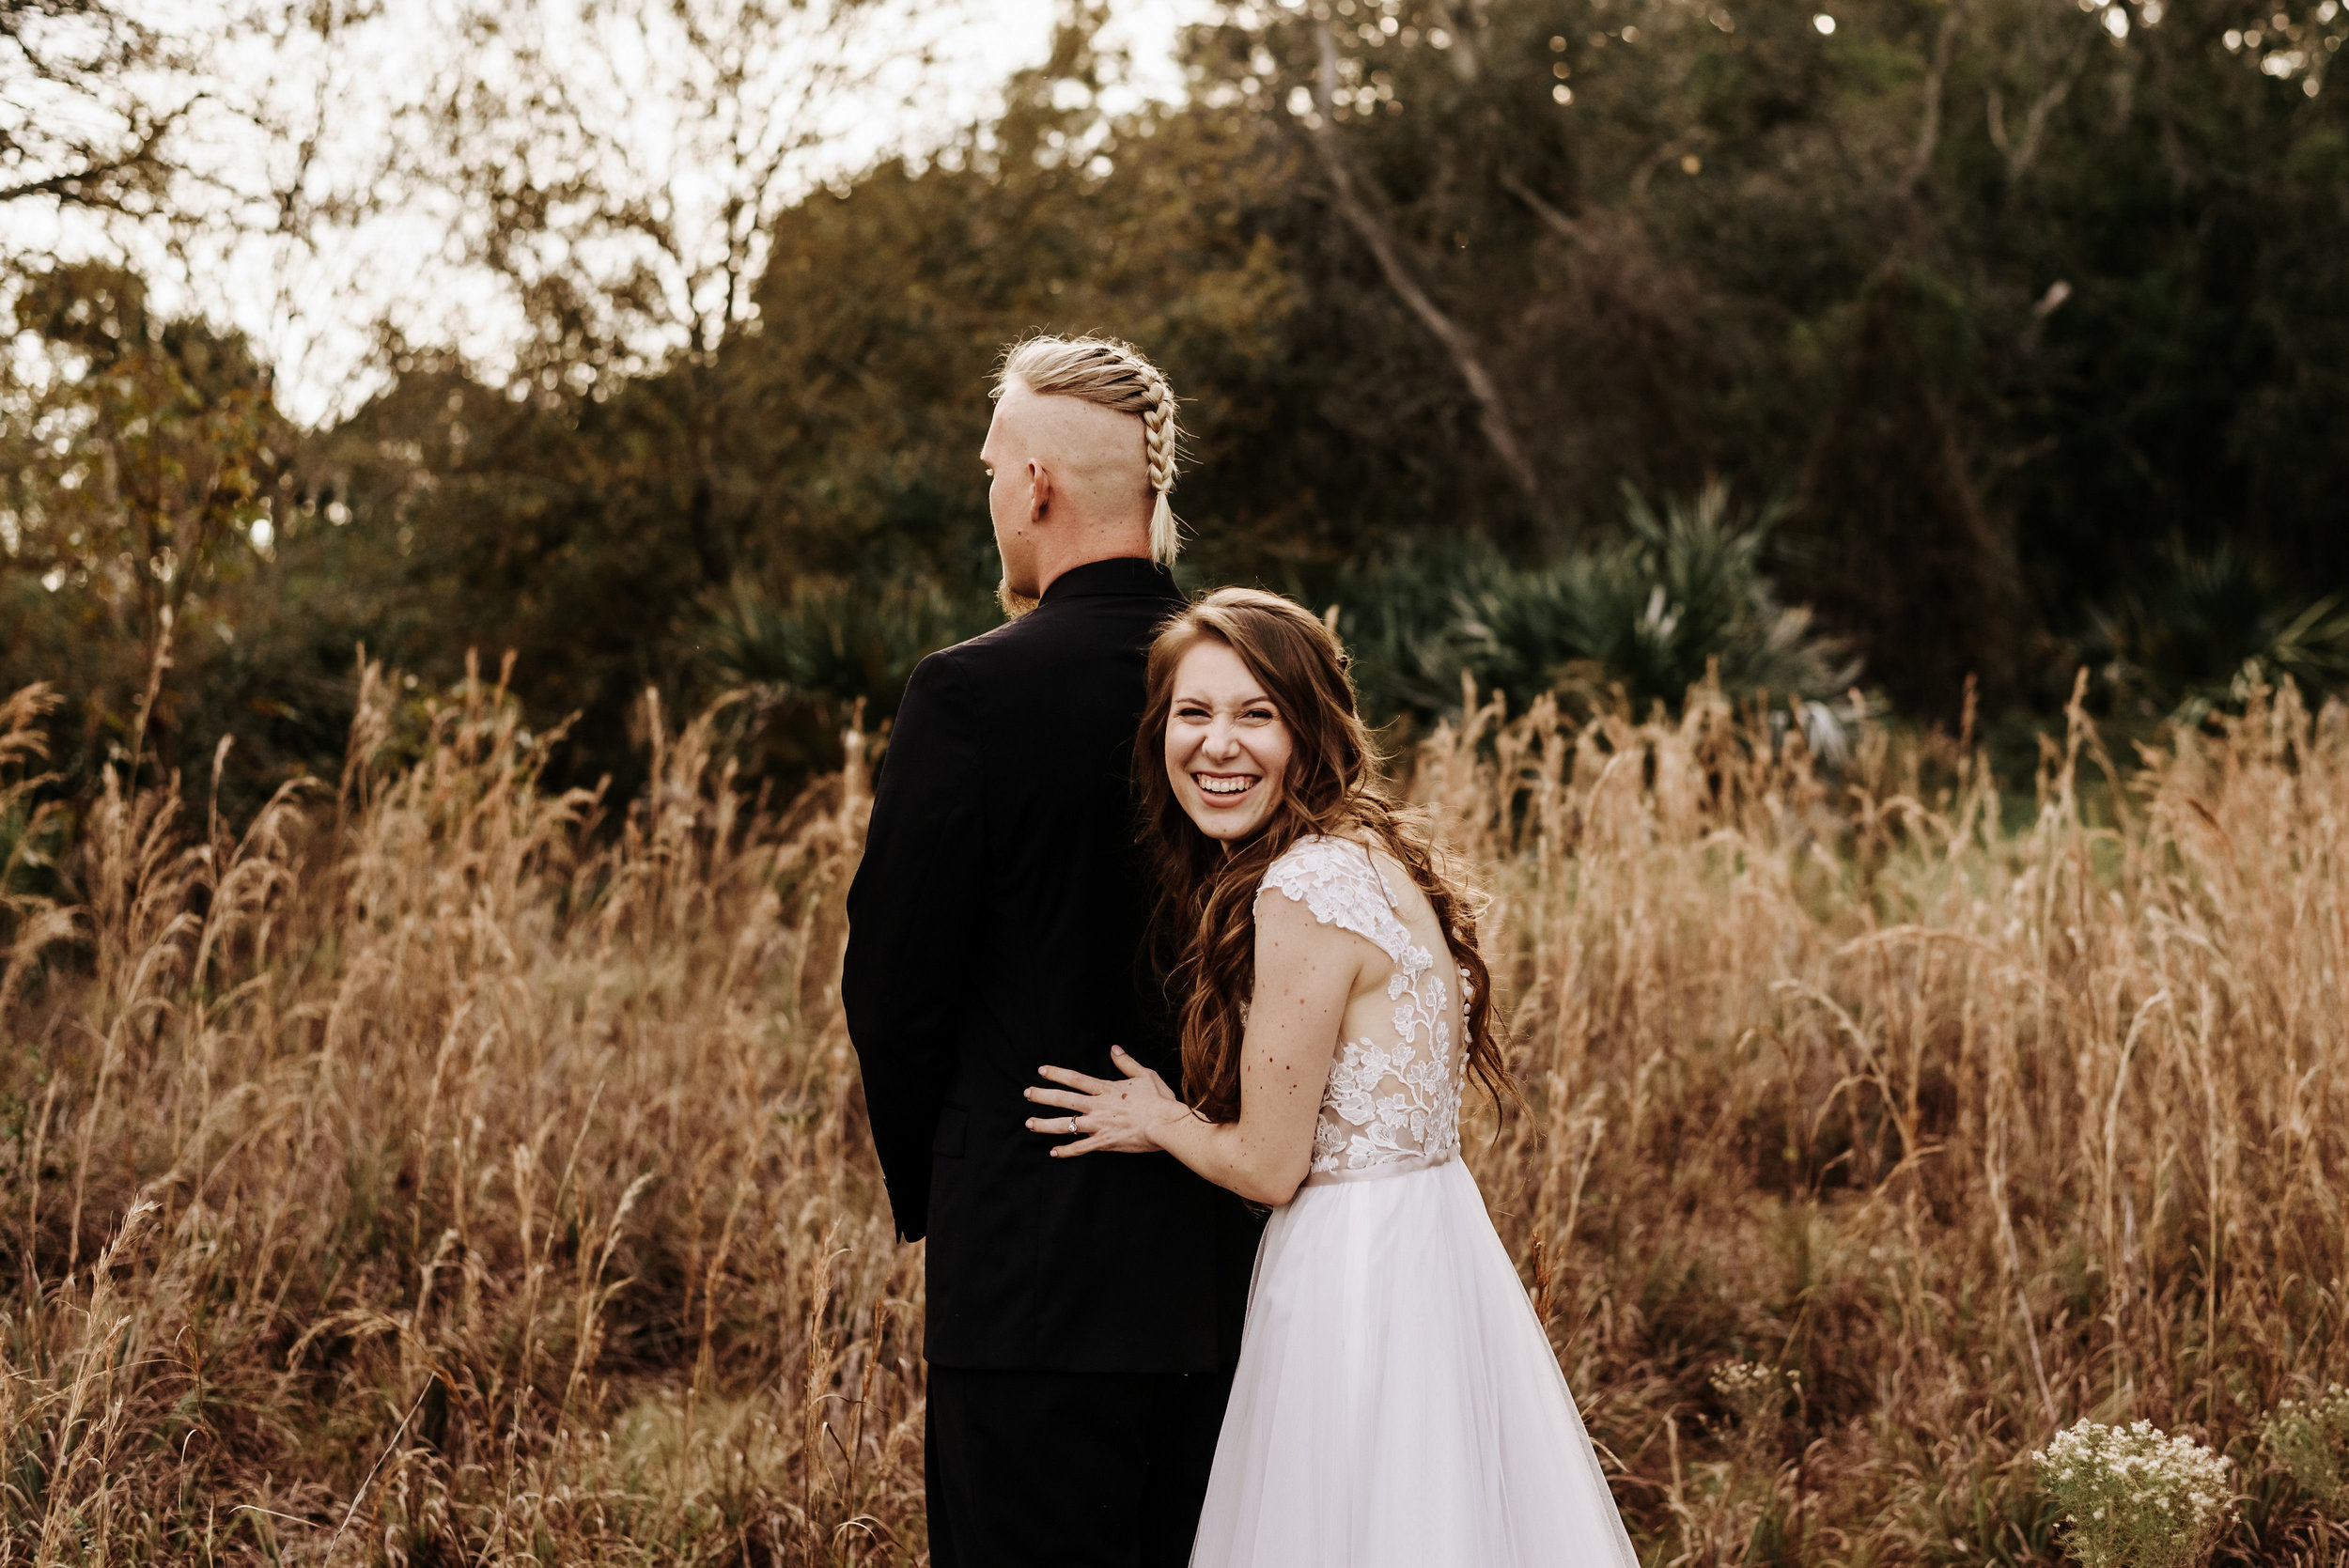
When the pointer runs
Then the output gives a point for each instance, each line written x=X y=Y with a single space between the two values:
x=1227 y=746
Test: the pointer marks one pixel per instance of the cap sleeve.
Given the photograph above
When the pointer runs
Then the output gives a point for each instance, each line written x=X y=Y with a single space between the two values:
x=1338 y=882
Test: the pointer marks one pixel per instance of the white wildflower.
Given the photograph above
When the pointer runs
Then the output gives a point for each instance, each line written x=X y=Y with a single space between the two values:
x=2134 y=1497
x=1756 y=1392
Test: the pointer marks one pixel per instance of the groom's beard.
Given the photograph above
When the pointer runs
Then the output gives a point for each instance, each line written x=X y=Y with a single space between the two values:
x=1015 y=603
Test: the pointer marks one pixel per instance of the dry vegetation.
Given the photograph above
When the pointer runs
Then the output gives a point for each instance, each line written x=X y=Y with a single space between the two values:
x=434 y=1171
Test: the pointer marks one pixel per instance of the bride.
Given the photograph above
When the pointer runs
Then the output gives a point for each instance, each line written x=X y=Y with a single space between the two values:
x=1397 y=1403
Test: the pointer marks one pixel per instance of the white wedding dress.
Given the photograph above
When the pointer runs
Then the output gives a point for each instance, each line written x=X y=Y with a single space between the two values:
x=1397 y=1404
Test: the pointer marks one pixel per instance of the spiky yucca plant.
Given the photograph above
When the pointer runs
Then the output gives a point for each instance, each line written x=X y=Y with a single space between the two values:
x=2204 y=626
x=831 y=642
x=1685 y=590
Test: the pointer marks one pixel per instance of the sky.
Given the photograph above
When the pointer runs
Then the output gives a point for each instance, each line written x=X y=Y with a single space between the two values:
x=313 y=308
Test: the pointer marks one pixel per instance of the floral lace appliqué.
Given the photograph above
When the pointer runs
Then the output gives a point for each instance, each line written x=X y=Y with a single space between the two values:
x=1388 y=1099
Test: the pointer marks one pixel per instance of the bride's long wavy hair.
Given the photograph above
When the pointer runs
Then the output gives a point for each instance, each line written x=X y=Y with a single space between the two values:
x=1203 y=924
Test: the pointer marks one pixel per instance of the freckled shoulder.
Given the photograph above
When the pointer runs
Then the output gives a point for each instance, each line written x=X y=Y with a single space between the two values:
x=1338 y=882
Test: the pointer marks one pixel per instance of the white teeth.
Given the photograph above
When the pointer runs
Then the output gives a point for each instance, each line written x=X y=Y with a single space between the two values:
x=1223 y=787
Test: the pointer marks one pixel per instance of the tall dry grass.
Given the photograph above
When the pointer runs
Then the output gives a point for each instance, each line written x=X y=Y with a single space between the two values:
x=439 y=1170
x=419 y=1175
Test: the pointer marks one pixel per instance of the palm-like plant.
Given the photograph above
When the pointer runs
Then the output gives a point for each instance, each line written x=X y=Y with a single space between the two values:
x=831 y=643
x=1683 y=593
x=2188 y=639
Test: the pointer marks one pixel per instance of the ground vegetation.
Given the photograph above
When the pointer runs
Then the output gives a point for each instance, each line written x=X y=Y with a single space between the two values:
x=436 y=1167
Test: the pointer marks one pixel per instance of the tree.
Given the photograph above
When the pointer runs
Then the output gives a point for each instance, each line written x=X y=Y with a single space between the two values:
x=1896 y=546
x=80 y=124
x=144 y=465
x=628 y=160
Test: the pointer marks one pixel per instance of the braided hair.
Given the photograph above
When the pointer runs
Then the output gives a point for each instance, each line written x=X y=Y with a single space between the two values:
x=1115 y=374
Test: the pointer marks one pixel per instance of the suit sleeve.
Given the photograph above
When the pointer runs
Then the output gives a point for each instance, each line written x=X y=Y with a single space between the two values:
x=913 y=912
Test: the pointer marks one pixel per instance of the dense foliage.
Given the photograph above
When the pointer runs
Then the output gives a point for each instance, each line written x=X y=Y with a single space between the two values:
x=2024 y=325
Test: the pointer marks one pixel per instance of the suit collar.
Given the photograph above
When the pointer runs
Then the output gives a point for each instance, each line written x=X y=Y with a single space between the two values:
x=1123 y=576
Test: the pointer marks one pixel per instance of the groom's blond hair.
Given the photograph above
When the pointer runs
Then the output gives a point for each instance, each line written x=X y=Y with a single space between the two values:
x=1116 y=376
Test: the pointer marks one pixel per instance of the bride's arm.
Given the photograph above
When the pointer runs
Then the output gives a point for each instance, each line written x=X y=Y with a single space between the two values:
x=1306 y=972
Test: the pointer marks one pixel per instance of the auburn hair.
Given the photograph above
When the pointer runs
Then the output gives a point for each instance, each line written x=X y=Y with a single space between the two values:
x=1203 y=922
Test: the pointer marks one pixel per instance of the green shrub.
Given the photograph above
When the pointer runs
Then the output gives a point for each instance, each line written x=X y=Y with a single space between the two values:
x=2312 y=1441
x=1684 y=591
x=833 y=642
x=2186 y=639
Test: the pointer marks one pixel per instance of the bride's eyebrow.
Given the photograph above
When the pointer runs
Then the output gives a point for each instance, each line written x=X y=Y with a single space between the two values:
x=1181 y=697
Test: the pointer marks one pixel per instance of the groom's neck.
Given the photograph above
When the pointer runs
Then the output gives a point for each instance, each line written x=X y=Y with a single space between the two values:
x=1099 y=544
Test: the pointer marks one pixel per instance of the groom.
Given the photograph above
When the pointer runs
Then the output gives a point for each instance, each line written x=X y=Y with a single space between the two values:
x=1083 y=1315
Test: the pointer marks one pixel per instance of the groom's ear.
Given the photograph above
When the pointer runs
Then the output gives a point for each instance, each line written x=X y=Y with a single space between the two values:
x=1039 y=492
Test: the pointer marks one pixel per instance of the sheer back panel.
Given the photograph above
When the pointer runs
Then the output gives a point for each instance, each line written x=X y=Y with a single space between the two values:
x=1392 y=1103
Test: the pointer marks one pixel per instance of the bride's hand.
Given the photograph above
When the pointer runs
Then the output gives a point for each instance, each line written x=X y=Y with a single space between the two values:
x=1104 y=1113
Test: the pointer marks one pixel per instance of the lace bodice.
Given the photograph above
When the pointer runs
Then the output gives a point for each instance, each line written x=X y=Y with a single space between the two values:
x=1394 y=1096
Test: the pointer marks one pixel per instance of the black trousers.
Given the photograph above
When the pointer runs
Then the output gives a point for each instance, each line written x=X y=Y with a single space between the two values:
x=1061 y=1470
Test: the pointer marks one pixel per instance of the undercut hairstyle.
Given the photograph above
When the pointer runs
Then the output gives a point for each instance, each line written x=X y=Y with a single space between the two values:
x=1203 y=922
x=1117 y=375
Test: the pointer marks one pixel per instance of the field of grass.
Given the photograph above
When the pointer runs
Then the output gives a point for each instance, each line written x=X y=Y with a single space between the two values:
x=436 y=1170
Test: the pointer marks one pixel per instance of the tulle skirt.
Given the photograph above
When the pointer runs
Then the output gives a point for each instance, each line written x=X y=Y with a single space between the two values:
x=1397 y=1404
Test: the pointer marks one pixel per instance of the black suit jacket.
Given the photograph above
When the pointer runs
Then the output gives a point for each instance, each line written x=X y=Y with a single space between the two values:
x=994 y=925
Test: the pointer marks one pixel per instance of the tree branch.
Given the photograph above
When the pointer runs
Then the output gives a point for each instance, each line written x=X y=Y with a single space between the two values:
x=1365 y=225
x=2021 y=157
x=1937 y=74
x=2035 y=123
x=103 y=179
x=1467 y=54
x=1552 y=219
